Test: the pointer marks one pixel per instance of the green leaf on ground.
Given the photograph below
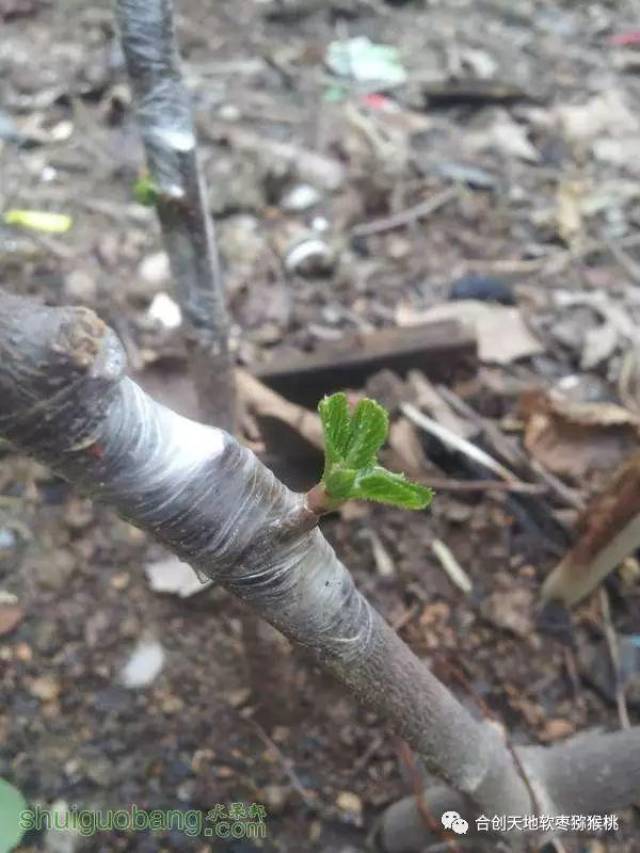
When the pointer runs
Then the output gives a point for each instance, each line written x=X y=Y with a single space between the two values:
x=12 y=804
x=39 y=220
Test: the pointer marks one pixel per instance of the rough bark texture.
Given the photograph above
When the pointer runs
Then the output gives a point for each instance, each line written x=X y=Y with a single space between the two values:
x=166 y=123
x=65 y=399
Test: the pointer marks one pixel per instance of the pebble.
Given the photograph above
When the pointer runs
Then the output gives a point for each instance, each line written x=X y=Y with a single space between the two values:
x=45 y=687
x=349 y=802
x=310 y=257
x=300 y=198
x=154 y=274
x=165 y=311
x=274 y=798
x=144 y=665
x=53 y=571
x=556 y=729
x=80 y=286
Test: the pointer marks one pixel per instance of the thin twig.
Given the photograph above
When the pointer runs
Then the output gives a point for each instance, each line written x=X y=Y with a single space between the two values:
x=452 y=567
x=456 y=443
x=287 y=764
x=406 y=217
x=445 y=485
x=510 y=450
x=614 y=651
x=430 y=823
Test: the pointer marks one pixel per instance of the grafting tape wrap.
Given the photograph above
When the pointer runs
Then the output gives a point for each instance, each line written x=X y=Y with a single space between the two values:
x=202 y=494
x=65 y=399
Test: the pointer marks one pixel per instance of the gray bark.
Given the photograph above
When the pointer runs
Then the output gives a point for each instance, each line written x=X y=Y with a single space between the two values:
x=65 y=399
x=166 y=123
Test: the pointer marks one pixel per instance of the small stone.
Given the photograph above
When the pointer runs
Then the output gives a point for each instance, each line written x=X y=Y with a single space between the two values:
x=23 y=652
x=154 y=275
x=349 y=803
x=172 y=704
x=45 y=687
x=165 y=311
x=239 y=697
x=300 y=198
x=225 y=772
x=53 y=571
x=556 y=729
x=274 y=798
x=280 y=734
x=100 y=770
x=121 y=580
x=78 y=513
x=185 y=791
x=242 y=240
x=144 y=665
x=80 y=286
x=202 y=759
x=311 y=257
x=8 y=539
x=510 y=610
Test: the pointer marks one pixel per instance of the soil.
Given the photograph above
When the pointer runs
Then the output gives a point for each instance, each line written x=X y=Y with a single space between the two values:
x=234 y=714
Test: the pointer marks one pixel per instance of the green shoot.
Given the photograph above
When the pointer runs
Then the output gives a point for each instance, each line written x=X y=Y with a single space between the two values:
x=352 y=442
x=145 y=191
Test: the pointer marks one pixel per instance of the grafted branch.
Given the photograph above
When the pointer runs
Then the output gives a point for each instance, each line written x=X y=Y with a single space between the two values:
x=65 y=399
x=166 y=123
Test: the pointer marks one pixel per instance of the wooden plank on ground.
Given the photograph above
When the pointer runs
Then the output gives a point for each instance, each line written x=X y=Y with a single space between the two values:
x=442 y=350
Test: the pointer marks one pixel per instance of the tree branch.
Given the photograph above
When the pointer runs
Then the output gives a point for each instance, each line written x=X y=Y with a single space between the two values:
x=65 y=399
x=166 y=123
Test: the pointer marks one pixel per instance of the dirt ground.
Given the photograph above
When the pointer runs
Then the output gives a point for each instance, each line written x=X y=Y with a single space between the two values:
x=527 y=113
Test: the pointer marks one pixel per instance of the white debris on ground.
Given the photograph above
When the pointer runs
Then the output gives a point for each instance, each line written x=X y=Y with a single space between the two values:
x=144 y=665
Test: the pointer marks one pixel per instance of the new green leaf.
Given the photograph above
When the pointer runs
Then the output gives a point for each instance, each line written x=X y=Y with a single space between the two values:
x=368 y=432
x=352 y=442
x=334 y=414
x=378 y=484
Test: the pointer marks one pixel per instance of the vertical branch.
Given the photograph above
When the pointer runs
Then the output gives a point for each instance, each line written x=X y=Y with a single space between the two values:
x=65 y=399
x=166 y=123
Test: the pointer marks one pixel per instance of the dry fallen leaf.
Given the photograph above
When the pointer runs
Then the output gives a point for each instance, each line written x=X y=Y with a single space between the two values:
x=502 y=334
x=599 y=345
x=606 y=113
x=505 y=136
x=569 y=210
x=576 y=440
x=510 y=610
